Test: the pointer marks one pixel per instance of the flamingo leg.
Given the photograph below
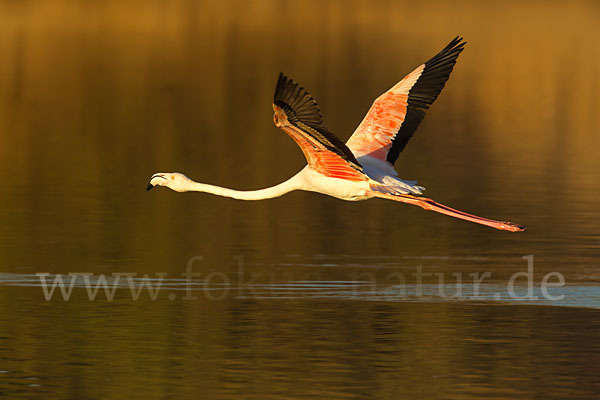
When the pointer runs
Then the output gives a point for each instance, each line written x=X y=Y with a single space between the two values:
x=429 y=204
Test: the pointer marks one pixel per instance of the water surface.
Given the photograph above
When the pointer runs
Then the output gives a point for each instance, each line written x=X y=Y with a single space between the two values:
x=305 y=298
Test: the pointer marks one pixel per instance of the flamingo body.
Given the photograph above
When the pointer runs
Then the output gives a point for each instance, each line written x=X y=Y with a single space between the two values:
x=343 y=189
x=362 y=168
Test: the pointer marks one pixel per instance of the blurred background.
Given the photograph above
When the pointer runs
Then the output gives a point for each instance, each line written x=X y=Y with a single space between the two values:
x=97 y=96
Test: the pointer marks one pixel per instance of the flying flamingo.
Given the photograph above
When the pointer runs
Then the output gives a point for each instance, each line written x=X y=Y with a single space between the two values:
x=362 y=168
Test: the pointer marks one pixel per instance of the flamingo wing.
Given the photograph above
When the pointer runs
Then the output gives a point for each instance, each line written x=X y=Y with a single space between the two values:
x=396 y=114
x=298 y=114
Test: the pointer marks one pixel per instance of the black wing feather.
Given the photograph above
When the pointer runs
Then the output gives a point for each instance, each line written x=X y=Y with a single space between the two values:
x=427 y=88
x=303 y=111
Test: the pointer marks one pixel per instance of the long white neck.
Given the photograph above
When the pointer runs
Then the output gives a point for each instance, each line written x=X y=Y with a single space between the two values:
x=275 y=191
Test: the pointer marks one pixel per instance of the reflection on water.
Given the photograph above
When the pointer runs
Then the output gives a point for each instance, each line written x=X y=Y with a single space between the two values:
x=279 y=283
x=96 y=96
x=296 y=348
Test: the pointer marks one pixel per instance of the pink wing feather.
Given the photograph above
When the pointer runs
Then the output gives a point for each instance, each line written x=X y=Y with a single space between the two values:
x=298 y=114
x=396 y=114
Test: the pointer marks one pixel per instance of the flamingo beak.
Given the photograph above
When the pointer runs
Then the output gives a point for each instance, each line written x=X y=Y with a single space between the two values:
x=150 y=185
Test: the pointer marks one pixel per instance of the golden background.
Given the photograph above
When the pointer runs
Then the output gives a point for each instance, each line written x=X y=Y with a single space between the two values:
x=95 y=96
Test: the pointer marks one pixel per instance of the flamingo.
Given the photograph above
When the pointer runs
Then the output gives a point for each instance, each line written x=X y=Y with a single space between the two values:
x=362 y=168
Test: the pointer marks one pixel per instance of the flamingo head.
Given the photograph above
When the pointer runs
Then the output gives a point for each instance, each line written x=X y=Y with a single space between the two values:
x=173 y=180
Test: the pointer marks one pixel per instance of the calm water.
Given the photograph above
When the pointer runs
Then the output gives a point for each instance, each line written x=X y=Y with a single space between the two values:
x=303 y=296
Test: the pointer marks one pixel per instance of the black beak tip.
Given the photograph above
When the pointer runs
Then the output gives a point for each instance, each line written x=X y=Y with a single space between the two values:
x=149 y=186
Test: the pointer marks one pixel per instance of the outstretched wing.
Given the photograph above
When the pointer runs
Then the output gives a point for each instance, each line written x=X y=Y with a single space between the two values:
x=396 y=114
x=298 y=115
